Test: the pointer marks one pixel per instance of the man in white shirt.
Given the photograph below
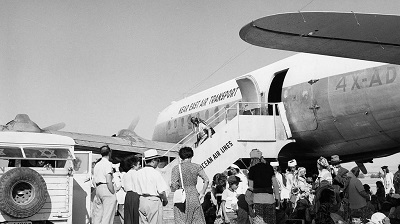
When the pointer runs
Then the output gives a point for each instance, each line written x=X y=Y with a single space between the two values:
x=151 y=188
x=106 y=201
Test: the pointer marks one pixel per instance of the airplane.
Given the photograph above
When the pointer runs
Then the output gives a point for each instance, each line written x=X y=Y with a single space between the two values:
x=305 y=106
x=342 y=99
x=124 y=143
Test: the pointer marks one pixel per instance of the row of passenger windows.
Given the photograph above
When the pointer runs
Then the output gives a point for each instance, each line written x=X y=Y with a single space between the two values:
x=182 y=121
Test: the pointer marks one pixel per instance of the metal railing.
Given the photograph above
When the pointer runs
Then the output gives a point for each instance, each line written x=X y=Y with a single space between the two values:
x=222 y=112
x=241 y=108
x=257 y=109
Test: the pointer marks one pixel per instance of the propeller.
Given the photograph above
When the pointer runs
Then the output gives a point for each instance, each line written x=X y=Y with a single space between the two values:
x=55 y=127
x=134 y=123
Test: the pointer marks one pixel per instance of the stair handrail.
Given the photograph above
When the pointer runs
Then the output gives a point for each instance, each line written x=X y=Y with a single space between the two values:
x=236 y=106
x=207 y=121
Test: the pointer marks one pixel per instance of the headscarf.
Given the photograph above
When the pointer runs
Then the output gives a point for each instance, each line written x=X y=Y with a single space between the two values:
x=323 y=162
x=301 y=172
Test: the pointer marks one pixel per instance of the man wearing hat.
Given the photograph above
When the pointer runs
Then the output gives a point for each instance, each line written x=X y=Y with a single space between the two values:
x=339 y=173
x=106 y=201
x=358 y=197
x=387 y=180
x=291 y=173
x=151 y=188
x=265 y=188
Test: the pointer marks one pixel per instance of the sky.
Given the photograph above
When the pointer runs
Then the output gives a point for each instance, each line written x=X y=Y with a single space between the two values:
x=96 y=65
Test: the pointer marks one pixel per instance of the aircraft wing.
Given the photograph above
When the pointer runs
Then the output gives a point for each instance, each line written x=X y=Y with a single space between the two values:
x=125 y=142
x=371 y=37
x=134 y=144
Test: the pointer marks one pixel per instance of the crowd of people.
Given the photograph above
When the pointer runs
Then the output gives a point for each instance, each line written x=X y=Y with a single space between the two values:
x=141 y=193
x=261 y=193
x=333 y=195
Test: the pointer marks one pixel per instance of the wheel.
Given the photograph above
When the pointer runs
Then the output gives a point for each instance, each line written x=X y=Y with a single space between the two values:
x=23 y=192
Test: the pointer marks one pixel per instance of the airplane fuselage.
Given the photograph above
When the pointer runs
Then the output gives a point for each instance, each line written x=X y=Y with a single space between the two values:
x=333 y=106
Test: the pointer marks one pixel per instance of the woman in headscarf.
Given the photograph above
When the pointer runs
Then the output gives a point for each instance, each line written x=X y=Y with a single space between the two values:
x=304 y=187
x=302 y=191
x=324 y=173
x=323 y=181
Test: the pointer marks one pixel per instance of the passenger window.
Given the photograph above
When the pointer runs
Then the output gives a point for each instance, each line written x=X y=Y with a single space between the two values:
x=175 y=123
x=189 y=123
x=207 y=115
x=169 y=125
x=182 y=121
x=216 y=113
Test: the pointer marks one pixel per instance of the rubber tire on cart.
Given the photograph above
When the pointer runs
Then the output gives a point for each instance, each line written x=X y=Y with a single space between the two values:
x=23 y=192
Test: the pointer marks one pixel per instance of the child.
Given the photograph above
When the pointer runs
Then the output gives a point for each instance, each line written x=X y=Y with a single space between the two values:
x=217 y=188
x=229 y=200
x=380 y=193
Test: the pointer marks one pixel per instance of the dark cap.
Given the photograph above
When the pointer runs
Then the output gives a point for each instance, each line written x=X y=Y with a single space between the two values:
x=335 y=160
x=384 y=167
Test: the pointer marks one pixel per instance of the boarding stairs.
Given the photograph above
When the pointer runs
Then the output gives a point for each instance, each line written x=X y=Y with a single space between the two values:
x=265 y=127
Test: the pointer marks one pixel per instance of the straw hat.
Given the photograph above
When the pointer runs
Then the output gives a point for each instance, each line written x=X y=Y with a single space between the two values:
x=150 y=154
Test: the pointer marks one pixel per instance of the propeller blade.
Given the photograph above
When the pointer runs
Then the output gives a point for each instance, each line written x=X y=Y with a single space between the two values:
x=133 y=124
x=55 y=127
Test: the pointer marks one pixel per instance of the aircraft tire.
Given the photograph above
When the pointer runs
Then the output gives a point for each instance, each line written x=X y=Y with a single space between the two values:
x=23 y=192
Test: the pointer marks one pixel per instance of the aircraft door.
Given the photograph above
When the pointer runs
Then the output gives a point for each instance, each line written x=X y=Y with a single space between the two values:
x=250 y=92
x=81 y=208
x=301 y=107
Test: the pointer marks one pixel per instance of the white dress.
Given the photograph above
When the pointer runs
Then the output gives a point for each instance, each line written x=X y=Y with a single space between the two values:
x=387 y=181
